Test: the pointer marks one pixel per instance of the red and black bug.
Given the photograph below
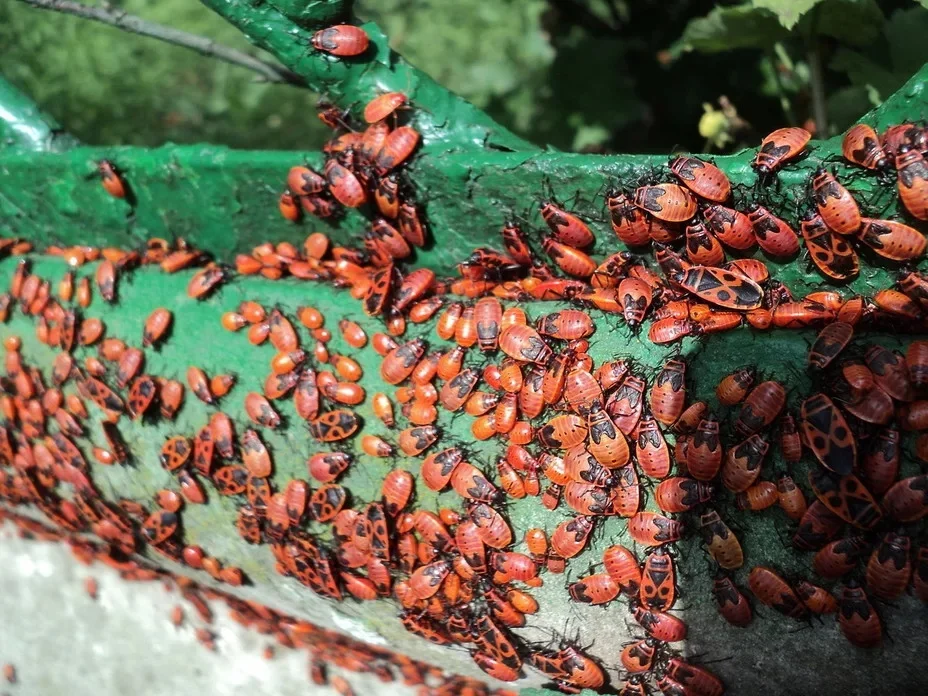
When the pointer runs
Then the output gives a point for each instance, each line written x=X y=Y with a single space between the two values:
x=600 y=588
x=847 y=497
x=912 y=171
x=702 y=178
x=829 y=344
x=658 y=624
x=889 y=567
x=668 y=393
x=658 y=581
x=693 y=678
x=651 y=529
x=907 y=499
x=827 y=434
x=830 y=253
x=890 y=373
x=835 y=203
x=668 y=202
x=651 y=450
x=567 y=228
x=571 y=536
x=718 y=286
x=704 y=452
x=775 y=592
x=721 y=542
x=634 y=296
x=326 y=502
x=861 y=145
x=622 y=566
x=732 y=604
x=880 y=463
x=857 y=618
x=680 y=493
x=629 y=223
x=639 y=656
x=773 y=235
x=780 y=146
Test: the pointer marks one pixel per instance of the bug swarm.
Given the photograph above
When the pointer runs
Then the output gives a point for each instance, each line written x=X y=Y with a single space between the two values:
x=631 y=459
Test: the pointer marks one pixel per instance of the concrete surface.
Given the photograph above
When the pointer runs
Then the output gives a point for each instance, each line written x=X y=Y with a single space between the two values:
x=63 y=642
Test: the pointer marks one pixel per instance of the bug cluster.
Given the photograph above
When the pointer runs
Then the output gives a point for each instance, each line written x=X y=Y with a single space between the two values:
x=362 y=171
x=857 y=483
x=589 y=436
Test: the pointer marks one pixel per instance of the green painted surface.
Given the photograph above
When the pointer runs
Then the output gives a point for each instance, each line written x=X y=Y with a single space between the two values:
x=226 y=200
x=23 y=128
x=314 y=14
x=197 y=338
x=446 y=121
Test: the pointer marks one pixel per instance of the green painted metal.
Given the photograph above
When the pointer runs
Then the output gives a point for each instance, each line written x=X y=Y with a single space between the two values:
x=315 y=13
x=24 y=128
x=447 y=122
x=469 y=175
x=227 y=199
x=198 y=339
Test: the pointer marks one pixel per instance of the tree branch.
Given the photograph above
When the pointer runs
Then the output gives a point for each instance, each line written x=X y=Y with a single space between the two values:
x=25 y=127
x=201 y=44
x=817 y=85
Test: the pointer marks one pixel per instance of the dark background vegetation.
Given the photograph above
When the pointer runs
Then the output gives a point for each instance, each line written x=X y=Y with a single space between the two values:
x=596 y=75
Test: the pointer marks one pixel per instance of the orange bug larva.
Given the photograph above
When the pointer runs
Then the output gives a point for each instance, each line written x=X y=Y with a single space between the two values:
x=861 y=145
x=382 y=106
x=892 y=240
x=343 y=40
x=668 y=394
x=667 y=202
x=835 y=203
x=353 y=334
x=112 y=182
x=156 y=326
x=912 y=170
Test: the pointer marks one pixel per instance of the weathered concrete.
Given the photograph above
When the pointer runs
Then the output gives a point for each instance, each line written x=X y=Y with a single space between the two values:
x=63 y=642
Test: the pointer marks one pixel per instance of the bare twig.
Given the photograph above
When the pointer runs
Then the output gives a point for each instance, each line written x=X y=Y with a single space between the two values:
x=207 y=47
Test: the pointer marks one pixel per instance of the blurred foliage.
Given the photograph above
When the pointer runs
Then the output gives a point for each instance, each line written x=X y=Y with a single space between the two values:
x=596 y=75
x=110 y=87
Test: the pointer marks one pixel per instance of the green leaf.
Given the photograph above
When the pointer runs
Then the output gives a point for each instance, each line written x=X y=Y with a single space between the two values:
x=854 y=22
x=847 y=105
x=728 y=28
x=887 y=64
x=923 y=3
x=905 y=35
x=787 y=11
x=861 y=69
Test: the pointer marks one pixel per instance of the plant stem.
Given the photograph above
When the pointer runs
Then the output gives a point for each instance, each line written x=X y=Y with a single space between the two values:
x=201 y=44
x=817 y=85
x=781 y=55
